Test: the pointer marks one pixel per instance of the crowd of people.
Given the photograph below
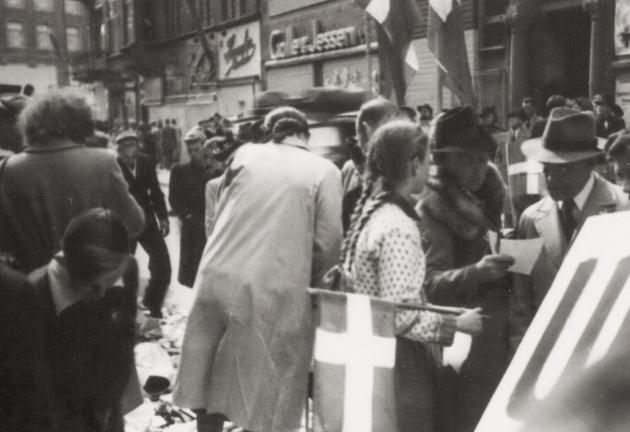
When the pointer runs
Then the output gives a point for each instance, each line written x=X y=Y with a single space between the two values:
x=407 y=219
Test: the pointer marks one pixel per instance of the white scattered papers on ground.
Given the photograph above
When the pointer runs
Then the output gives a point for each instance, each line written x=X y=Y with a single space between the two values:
x=525 y=252
x=456 y=354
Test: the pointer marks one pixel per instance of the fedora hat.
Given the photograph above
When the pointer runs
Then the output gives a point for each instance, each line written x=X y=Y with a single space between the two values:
x=569 y=137
x=458 y=129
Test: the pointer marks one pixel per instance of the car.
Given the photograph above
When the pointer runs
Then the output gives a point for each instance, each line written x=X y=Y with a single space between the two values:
x=331 y=114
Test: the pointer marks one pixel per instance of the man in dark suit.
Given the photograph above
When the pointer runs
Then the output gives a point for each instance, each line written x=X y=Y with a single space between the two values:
x=187 y=199
x=607 y=122
x=568 y=151
x=139 y=172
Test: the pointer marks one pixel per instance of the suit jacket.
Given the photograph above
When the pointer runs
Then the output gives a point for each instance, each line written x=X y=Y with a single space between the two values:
x=145 y=187
x=43 y=188
x=542 y=220
x=607 y=127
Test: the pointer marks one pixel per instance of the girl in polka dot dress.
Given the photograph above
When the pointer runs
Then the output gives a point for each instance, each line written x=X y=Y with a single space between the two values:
x=383 y=257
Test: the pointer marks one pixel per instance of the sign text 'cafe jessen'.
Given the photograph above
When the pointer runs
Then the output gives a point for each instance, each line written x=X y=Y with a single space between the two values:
x=284 y=44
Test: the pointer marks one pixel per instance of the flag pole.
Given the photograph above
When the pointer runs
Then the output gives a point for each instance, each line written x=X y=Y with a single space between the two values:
x=368 y=56
x=445 y=310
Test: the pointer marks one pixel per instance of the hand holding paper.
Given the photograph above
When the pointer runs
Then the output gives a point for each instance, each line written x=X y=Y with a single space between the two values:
x=524 y=252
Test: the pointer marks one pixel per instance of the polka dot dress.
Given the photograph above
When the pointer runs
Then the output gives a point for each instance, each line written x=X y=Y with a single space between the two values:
x=389 y=263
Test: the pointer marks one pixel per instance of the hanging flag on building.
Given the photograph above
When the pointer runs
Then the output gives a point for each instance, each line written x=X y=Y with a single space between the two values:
x=570 y=372
x=445 y=35
x=355 y=353
x=397 y=21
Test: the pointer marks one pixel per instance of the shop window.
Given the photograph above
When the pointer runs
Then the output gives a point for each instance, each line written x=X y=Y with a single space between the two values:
x=15 y=4
x=43 y=5
x=73 y=7
x=173 y=9
x=73 y=39
x=15 y=35
x=42 y=37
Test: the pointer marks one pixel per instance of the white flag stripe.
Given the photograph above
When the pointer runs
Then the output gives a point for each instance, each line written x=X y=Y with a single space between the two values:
x=574 y=327
x=611 y=326
x=412 y=59
x=379 y=9
x=442 y=8
x=359 y=351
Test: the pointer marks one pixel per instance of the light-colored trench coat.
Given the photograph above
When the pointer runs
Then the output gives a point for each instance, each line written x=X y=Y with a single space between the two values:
x=248 y=343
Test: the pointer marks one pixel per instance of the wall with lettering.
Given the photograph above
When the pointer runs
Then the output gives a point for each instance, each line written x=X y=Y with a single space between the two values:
x=239 y=52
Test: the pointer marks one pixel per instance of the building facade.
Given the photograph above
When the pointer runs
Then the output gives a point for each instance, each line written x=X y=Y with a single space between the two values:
x=37 y=40
x=154 y=66
x=311 y=43
x=542 y=47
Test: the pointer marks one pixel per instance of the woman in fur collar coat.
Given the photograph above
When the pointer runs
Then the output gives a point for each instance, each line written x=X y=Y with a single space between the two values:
x=462 y=201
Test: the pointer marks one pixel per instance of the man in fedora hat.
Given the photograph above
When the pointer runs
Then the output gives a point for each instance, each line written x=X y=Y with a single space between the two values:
x=568 y=150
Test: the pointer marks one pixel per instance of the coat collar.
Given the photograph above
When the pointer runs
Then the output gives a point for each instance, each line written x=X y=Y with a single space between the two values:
x=294 y=141
x=600 y=200
x=53 y=146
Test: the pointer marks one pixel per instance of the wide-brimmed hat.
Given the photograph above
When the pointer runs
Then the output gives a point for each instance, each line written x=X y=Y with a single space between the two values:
x=458 y=129
x=569 y=137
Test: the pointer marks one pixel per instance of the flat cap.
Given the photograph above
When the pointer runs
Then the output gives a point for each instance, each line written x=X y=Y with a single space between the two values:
x=126 y=134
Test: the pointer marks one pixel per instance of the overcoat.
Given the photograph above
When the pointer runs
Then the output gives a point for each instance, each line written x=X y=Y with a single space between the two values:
x=248 y=342
x=43 y=188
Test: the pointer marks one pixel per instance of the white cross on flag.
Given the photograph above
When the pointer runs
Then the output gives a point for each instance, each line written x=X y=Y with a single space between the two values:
x=571 y=371
x=355 y=352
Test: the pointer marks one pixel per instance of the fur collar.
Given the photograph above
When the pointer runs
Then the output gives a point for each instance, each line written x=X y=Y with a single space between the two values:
x=467 y=215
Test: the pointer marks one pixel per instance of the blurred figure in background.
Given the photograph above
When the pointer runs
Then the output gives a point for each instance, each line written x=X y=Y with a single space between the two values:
x=168 y=142
x=426 y=115
x=607 y=122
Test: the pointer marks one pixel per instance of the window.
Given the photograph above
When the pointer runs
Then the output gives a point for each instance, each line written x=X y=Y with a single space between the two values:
x=43 y=5
x=173 y=9
x=16 y=4
x=73 y=39
x=73 y=7
x=42 y=35
x=225 y=13
x=130 y=28
x=15 y=35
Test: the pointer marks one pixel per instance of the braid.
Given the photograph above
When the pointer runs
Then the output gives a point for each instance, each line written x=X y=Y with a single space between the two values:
x=364 y=209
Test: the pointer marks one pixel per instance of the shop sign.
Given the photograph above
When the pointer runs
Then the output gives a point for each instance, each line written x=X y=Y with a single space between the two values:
x=283 y=44
x=239 y=52
x=622 y=27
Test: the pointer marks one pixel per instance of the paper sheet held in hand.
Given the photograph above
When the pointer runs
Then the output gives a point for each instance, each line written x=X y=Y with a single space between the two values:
x=525 y=252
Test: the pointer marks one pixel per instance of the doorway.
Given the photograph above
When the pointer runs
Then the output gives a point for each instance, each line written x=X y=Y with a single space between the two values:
x=561 y=54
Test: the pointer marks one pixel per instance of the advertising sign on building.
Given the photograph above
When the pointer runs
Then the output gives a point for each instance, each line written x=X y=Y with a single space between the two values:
x=239 y=52
x=622 y=27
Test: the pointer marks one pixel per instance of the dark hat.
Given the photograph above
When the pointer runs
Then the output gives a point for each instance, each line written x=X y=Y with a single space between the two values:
x=568 y=137
x=458 y=129
x=126 y=134
x=425 y=106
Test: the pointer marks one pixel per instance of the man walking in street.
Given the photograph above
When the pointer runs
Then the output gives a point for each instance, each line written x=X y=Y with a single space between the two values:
x=186 y=196
x=139 y=172
x=568 y=151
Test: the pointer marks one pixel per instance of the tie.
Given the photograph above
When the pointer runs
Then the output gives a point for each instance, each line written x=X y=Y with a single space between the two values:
x=568 y=219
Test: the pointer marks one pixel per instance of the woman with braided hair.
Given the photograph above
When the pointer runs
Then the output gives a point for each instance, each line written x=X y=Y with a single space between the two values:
x=383 y=257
